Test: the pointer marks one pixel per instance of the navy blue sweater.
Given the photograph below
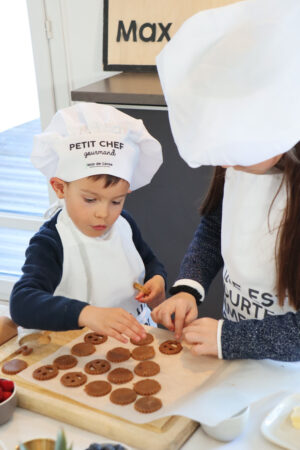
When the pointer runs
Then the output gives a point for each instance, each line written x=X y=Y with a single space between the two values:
x=274 y=337
x=32 y=303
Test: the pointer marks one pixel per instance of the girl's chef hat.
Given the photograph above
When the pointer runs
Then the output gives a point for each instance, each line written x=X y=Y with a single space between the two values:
x=231 y=80
x=90 y=139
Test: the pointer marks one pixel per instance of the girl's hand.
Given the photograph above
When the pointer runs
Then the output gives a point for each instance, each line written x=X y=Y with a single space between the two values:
x=114 y=322
x=202 y=334
x=153 y=292
x=183 y=306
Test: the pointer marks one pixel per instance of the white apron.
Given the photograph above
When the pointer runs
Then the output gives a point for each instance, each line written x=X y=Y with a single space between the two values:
x=248 y=244
x=101 y=271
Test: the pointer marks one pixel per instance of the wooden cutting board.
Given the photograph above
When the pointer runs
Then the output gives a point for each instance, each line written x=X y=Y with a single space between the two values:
x=168 y=433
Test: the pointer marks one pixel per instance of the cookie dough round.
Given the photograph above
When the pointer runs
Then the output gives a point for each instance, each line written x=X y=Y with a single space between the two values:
x=97 y=388
x=64 y=362
x=146 y=341
x=120 y=376
x=148 y=405
x=95 y=338
x=142 y=353
x=123 y=396
x=118 y=354
x=170 y=347
x=14 y=366
x=147 y=387
x=147 y=369
x=83 y=349
x=73 y=379
x=97 y=367
x=45 y=372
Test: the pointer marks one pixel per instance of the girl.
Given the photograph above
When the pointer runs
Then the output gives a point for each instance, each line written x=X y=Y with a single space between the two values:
x=233 y=103
x=261 y=303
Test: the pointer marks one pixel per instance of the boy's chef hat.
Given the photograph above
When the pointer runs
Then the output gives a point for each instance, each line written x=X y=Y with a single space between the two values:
x=90 y=139
x=231 y=80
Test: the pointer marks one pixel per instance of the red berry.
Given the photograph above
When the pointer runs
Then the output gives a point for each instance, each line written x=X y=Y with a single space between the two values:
x=1 y=394
x=6 y=395
x=7 y=385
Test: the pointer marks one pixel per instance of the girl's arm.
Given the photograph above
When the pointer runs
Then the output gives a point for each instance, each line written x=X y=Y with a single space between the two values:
x=200 y=265
x=275 y=337
x=203 y=259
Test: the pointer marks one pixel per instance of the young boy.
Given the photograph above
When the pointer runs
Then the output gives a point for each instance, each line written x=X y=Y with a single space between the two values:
x=81 y=266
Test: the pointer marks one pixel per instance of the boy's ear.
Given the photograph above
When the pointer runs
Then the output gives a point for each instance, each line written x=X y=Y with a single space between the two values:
x=58 y=186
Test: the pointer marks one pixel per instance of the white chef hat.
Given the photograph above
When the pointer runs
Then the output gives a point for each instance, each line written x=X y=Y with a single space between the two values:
x=90 y=139
x=231 y=80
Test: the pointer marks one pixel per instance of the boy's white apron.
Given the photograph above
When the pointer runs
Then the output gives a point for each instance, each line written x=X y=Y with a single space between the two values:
x=101 y=271
x=248 y=244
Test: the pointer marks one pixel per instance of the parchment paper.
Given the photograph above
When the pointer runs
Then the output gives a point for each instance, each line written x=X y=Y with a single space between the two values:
x=204 y=389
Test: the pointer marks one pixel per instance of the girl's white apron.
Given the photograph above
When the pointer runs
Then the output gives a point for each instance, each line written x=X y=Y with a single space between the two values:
x=101 y=271
x=248 y=244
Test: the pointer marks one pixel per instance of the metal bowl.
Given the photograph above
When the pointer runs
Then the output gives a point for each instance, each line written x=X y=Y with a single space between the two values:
x=38 y=444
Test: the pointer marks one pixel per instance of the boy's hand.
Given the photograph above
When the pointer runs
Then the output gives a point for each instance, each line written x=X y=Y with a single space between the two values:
x=202 y=334
x=112 y=322
x=153 y=291
x=183 y=305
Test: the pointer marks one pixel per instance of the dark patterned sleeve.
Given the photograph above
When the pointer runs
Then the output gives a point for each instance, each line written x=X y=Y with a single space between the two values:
x=274 y=337
x=32 y=301
x=203 y=258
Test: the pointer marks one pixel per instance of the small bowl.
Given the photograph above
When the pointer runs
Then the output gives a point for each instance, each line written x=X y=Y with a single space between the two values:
x=8 y=406
x=38 y=444
x=228 y=429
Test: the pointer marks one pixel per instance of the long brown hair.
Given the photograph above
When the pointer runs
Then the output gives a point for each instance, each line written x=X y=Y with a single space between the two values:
x=287 y=249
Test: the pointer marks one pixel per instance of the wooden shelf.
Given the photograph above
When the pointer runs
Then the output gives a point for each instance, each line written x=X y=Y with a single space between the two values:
x=126 y=88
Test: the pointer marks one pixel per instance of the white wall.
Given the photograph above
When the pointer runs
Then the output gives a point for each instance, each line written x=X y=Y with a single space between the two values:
x=70 y=56
x=83 y=25
x=18 y=92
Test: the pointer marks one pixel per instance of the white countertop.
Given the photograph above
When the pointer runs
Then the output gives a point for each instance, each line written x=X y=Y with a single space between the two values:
x=26 y=425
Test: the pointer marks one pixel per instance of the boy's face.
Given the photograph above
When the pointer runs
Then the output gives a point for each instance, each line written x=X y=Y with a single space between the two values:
x=92 y=207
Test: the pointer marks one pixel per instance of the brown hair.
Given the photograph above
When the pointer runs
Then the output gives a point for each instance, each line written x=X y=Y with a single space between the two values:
x=287 y=248
x=109 y=180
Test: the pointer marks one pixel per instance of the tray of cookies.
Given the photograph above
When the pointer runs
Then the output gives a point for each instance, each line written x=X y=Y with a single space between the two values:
x=79 y=376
